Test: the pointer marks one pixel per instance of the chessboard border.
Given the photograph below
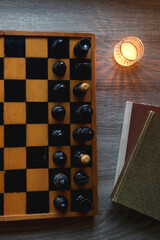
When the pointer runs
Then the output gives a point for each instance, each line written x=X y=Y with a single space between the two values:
x=94 y=141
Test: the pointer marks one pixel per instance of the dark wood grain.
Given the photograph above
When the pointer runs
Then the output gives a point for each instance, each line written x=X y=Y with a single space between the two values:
x=111 y=21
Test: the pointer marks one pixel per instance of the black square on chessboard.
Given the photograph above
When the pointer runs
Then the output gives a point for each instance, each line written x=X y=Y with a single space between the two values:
x=37 y=202
x=15 y=90
x=37 y=68
x=37 y=157
x=83 y=149
x=74 y=194
x=64 y=140
x=1 y=204
x=37 y=112
x=1 y=68
x=76 y=118
x=1 y=113
x=15 y=135
x=61 y=95
x=1 y=159
x=62 y=51
x=53 y=172
x=14 y=46
x=75 y=73
x=15 y=180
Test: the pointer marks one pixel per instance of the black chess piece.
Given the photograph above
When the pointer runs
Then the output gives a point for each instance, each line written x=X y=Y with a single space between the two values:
x=80 y=89
x=85 y=204
x=81 y=178
x=58 y=112
x=82 y=47
x=60 y=180
x=60 y=203
x=83 y=70
x=58 y=46
x=81 y=157
x=83 y=134
x=59 y=68
x=59 y=90
x=58 y=135
x=84 y=112
x=59 y=158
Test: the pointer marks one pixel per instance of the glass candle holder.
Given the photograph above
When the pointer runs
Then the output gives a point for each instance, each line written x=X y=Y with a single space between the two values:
x=128 y=51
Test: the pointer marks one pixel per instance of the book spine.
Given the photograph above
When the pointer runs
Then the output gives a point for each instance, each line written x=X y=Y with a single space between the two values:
x=124 y=140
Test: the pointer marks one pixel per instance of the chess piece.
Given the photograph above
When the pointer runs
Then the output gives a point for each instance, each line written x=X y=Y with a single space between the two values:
x=80 y=89
x=81 y=178
x=83 y=134
x=59 y=89
x=61 y=203
x=58 y=46
x=58 y=112
x=84 y=112
x=59 y=68
x=82 y=47
x=82 y=158
x=83 y=70
x=59 y=158
x=85 y=204
x=58 y=135
x=60 y=180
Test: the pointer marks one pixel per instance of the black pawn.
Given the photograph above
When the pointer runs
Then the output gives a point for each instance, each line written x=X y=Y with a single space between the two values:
x=84 y=112
x=58 y=47
x=61 y=203
x=59 y=68
x=59 y=90
x=83 y=134
x=83 y=70
x=59 y=158
x=58 y=112
x=82 y=47
x=85 y=204
x=60 y=181
x=58 y=136
x=81 y=178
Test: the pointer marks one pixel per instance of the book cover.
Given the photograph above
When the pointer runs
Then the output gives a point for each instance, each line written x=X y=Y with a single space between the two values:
x=138 y=186
x=134 y=118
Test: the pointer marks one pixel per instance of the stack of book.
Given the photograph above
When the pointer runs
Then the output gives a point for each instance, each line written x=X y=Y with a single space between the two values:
x=137 y=179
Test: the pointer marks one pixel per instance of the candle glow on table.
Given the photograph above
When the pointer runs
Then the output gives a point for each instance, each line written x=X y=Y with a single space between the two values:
x=128 y=51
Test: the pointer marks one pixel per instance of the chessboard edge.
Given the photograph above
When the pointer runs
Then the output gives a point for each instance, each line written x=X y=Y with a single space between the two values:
x=45 y=216
x=45 y=34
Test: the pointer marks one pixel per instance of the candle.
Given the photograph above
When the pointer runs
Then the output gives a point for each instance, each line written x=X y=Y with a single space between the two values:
x=128 y=51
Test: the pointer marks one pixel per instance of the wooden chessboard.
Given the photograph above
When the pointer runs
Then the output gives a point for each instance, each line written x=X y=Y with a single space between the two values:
x=27 y=170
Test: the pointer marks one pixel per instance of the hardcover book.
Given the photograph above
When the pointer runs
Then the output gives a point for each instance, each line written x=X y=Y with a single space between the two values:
x=138 y=184
x=134 y=118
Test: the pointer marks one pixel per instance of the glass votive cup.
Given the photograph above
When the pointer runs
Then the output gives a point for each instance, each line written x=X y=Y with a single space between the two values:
x=128 y=51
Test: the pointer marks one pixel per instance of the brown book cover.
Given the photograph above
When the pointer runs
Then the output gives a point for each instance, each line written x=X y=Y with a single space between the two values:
x=134 y=118
x=138 y=184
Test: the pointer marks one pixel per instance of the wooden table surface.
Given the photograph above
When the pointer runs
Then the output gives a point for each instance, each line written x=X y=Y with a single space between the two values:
x=110 y=20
